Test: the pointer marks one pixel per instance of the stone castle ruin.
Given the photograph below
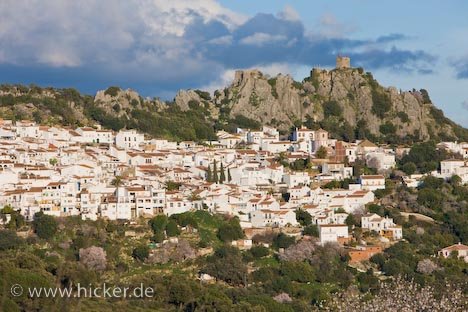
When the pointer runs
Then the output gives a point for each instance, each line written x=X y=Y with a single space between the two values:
x=343 y=62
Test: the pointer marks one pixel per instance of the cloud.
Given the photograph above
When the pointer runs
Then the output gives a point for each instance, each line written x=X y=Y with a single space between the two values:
x=259 y=39
x=159 y=46
x=289 y=14
x=461 y=67
x=465 y=104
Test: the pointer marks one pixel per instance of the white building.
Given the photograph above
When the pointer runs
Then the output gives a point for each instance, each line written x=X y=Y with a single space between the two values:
x=333 y=233
x=129 y=139
x=382 y=225
x=372 y=182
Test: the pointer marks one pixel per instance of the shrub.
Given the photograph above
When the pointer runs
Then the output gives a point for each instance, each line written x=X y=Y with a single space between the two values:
x=112 y=91
x=172 y=229
x=387 y=128
x=303 y=217
x=9 y=240
x=311 y=230
x=230 y=231
x=332 y=108
x=283 y=241
x=44 y=226
x=141 y=252
x=403 y=116
x=259 y=251
x=381 y=103
x=94 y=258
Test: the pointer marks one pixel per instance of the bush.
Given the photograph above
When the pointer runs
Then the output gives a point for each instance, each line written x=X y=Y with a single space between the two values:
x=112 y=91
x=94 y=258
x=387 y=128
x=158 y=223
x=259 y=251
x=403 y=116
x=9 y=240
x=141 y=252
x=303 y=217
x=332 y=108
x=172 y=229
x=283 y=241
x=230 y=231
x=311 y=230
x=44 y=226
x=381 y=103
x=409 y=168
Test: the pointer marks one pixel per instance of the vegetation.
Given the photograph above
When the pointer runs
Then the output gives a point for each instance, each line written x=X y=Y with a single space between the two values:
x=304 y=277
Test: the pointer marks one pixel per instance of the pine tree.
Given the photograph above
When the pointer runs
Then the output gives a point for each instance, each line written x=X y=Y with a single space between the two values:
x=222 y=176
x=215 y=172
x=229 y=175
x=209 y=174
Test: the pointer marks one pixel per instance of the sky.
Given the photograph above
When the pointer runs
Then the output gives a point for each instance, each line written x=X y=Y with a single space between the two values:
x=157 y=47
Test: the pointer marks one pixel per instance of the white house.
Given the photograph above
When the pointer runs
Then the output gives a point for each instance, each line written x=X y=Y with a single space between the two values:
x=333 y=233
x=460 y=250
x=372 y=182
x=382 y=225
x=273 y=218
x=129 y=139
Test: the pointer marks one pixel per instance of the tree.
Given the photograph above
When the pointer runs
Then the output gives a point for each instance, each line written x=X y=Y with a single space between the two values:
x=409 y=168
x=53 y=161
x=303 y=217
x=226 y=264
x=332 y=108
x=311 y=230
x=401 y=295
x=351 y=220
x=158 y=223
x=44 y=226
x=172 y=186
x=455 y=180
x=229 y=175
x=426 y=266
x=117 y=181
x=283 y=241
x=259 y=251
x=215 y=172
x=222 y=176
x=94 y=258
x=321 y=153
x=158 y=237
x=172 y=229
x=209 y=174
x=301 y=251
x=140 y=252
x=230 y=230
x=9 y=240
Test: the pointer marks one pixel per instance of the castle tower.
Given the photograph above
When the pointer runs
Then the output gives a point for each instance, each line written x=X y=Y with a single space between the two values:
x=343 y=62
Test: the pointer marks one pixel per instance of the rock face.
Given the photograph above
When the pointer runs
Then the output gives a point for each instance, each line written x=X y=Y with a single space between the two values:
x=347 y=102
x=280 y=101
x=119 y=102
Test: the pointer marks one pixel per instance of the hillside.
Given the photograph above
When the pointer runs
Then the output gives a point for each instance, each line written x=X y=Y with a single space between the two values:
x=347 y=102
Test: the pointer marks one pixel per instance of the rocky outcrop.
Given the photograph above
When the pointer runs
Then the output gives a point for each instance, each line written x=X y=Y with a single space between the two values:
x=280 y=101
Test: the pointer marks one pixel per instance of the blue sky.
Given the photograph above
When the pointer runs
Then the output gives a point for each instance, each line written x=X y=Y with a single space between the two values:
x=157 y=46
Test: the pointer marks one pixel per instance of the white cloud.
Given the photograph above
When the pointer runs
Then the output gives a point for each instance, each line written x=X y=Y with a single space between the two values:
x=329 y=27
x=260 y=38
x=465 y=104
x=225 y=78
x=289 y=14
x=69 y=33
x=172 y=17
x=223 y=40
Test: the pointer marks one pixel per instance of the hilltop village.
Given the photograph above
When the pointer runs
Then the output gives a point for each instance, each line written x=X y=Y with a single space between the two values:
x=268 y=183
